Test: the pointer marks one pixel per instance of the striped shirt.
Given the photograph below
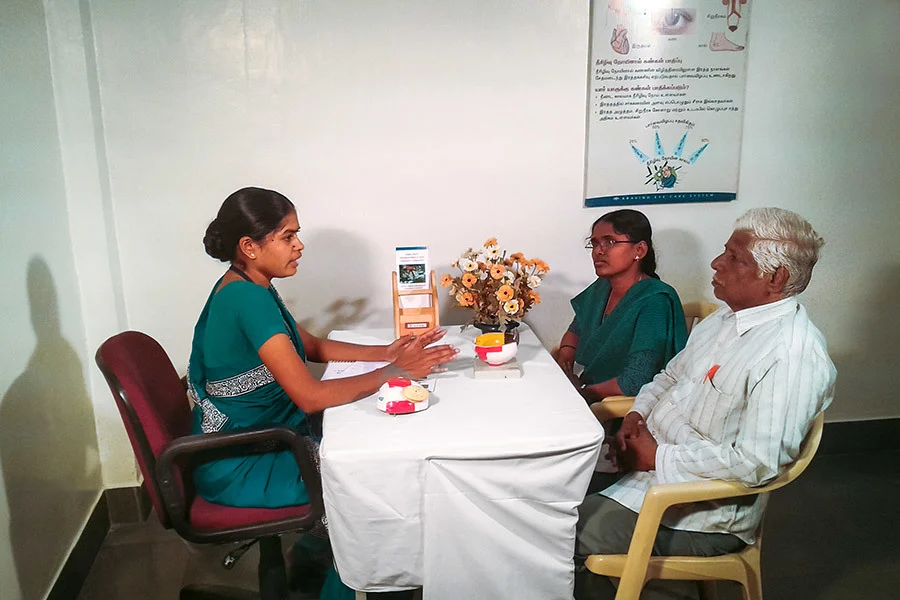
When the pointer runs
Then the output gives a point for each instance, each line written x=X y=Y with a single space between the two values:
x=735 y=404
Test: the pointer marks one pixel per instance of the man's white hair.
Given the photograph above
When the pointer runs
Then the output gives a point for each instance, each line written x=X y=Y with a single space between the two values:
x=782 y=238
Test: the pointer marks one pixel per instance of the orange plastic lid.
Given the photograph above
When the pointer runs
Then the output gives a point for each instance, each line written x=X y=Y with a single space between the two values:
x=489 y=339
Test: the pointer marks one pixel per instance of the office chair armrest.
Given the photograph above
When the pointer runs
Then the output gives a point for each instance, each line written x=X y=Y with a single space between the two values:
x=192 y=445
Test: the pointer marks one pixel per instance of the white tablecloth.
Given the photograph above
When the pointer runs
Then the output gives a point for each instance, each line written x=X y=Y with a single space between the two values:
x=475 y=497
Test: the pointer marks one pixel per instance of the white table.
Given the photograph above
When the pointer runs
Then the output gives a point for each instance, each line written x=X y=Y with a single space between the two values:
x=475 y=497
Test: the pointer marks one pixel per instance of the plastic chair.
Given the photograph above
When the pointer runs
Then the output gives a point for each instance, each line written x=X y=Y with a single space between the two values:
x=694 y=312
x=154 y=407
x=637 y=567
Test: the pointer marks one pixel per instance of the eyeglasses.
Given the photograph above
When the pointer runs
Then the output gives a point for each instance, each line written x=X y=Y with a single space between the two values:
x=605 y=243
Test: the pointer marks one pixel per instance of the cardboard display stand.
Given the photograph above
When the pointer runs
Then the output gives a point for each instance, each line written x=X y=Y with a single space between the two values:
x=415 y=320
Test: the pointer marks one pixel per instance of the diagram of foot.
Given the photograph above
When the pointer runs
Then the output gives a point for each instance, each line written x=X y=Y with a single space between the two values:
x=720 y=43
x=619 y=41
x=732 y=19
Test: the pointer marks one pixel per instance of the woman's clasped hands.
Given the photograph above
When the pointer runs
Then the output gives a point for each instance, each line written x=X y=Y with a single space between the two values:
x=416 y=357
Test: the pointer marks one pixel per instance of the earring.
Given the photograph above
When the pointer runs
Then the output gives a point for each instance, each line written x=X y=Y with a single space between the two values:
x=637 y=258
x=252 y=256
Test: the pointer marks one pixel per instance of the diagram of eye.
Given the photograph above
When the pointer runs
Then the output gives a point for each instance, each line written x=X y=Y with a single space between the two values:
x=633 y=25
x=673 y=21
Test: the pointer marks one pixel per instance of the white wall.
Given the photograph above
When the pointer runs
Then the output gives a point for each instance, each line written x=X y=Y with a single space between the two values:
x=50 y=473
x=468 y=116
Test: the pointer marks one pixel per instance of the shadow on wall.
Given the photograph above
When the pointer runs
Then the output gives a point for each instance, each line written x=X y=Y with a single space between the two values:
x=48 y=445
x=334 y=263
x=870 y=371
x=679 y=263
x=551 y=318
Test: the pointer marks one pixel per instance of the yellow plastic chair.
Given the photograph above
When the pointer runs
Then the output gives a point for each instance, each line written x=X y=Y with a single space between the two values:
x=637 y=567
x=694 y=312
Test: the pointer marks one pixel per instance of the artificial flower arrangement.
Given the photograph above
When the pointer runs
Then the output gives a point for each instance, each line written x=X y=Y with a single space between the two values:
x=499 y=288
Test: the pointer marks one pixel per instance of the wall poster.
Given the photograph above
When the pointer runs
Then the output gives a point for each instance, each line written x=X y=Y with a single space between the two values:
x=665 y=101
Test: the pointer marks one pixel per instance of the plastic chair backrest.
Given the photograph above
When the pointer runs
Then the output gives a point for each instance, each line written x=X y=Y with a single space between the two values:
x=151 y=400
x=807 y=451
x=694 y=312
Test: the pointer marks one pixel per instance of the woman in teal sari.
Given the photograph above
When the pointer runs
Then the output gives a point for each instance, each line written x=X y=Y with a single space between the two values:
x=628 y=324
x=248 y=359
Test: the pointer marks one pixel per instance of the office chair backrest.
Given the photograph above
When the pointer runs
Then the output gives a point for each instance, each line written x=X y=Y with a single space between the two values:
x=151 y=400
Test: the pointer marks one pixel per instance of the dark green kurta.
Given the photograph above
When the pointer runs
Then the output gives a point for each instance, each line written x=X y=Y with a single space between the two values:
x=635 y=341
x=233 y=390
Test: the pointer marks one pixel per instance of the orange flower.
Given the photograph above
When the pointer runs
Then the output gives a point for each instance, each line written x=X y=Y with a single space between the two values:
x=535 y=297
x=446 y=280
x=468 y=280
x=490 y=242
x=505 y=293
x=517 y=256
x=497 y=271
x=482 y=266
x=468 y=299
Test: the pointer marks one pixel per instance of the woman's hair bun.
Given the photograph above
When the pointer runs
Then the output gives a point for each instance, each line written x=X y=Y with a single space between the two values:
x=251 y=212
x=212 y=241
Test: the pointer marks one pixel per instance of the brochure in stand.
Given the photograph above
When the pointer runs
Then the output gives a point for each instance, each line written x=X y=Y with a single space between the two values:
x=415 y=292
x=415 y=311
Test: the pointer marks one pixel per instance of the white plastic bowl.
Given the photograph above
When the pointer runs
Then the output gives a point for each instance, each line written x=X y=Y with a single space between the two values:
x=497 y=355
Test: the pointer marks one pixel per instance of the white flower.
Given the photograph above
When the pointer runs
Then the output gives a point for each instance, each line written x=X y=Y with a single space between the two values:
x=534 y=282
x=454 y=264
x=511 y=307
x=467 y=265
x=509 y=276
x=493 y=252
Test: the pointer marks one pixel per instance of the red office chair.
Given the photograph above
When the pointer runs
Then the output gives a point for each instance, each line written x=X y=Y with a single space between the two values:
x=156 y=412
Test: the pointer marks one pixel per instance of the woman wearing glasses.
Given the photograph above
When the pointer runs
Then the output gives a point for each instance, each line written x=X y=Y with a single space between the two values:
x=628 y=324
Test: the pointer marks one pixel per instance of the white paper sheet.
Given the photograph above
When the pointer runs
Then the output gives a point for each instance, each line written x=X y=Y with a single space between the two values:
x=342 y=369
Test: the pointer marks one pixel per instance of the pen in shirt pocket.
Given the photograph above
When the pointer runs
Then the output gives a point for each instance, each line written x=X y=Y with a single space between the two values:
x=711 y=373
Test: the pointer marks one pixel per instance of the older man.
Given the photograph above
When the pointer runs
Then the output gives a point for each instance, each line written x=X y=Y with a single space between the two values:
x=735 y=404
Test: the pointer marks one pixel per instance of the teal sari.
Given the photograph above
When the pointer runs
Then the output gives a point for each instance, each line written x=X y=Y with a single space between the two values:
x=233 y=390
x=633 y=342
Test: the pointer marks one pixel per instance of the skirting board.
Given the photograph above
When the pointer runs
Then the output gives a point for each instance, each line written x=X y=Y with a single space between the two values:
x=115 y=506
x=75 y=571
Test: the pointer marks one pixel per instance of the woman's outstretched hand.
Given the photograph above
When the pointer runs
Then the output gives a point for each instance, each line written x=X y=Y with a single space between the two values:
x=427 y=338
x=411 y=355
